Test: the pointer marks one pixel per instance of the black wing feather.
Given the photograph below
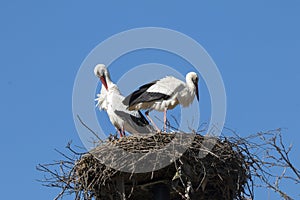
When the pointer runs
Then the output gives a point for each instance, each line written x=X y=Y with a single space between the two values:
x=139 y=121
x=149 y=97
x=141 y=95
x=128 y=100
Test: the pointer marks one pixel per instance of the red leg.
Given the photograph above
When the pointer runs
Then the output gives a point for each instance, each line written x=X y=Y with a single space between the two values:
x=123 y=131
x=152 y=122
x=120 y=132
x=165 y=120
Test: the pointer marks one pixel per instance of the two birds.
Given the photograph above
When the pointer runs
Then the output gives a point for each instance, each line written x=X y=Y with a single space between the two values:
x=161 y=95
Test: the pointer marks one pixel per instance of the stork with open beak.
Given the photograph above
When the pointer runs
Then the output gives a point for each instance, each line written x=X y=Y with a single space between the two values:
x=110 y=99
x=163 y=95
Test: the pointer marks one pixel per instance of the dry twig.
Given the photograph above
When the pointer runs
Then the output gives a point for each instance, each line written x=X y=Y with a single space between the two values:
x=226 y=172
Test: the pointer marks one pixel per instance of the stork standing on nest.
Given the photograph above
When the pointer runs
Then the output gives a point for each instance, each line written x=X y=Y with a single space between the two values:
x=110 y=99
x=163 y=95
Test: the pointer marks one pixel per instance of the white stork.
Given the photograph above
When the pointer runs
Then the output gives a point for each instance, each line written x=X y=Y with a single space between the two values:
x=163 y=95
x=110 y=99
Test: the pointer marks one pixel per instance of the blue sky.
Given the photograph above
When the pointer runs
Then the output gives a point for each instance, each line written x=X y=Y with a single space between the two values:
x=255 y=45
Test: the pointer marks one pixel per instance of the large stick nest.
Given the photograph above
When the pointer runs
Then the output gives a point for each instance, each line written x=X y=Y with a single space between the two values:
x=221 y=174
x=207 y=168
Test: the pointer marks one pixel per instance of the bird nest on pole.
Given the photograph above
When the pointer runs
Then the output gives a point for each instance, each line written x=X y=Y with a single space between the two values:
x=199 y=172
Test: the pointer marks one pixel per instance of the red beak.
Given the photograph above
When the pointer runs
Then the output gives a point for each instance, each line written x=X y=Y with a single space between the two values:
x=103 y=81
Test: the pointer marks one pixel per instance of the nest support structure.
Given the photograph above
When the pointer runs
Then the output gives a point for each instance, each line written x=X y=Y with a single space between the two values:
x=198 y=168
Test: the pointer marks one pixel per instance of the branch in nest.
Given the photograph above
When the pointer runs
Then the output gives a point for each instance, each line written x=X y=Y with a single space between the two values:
x=227 y=172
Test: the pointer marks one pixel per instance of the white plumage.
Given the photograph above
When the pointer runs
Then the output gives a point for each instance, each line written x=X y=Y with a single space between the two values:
x=164 y=94
x=110 y=100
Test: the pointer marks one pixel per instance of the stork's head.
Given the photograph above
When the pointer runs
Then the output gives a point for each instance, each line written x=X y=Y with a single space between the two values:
x=101 y=72
x=192 y=77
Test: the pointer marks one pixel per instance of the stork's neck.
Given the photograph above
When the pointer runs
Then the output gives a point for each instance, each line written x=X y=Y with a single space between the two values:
x=113 y=88
x=108 y=81
x=190 y=84
x=187 y=95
